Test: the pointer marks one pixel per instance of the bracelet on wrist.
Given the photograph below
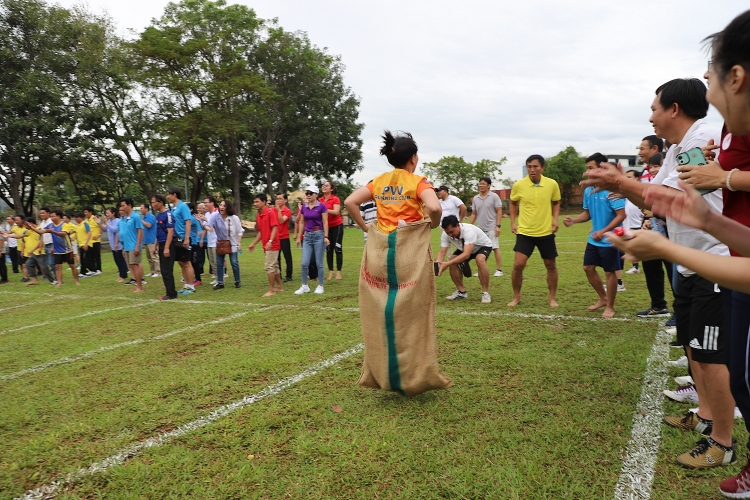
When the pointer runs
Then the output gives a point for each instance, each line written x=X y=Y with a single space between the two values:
x=729 y=179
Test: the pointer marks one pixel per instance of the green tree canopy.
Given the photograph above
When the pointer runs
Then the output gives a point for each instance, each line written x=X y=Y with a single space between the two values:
x=460 y=175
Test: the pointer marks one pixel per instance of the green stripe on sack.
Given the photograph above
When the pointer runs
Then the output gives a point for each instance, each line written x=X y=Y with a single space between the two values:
x=394 y=375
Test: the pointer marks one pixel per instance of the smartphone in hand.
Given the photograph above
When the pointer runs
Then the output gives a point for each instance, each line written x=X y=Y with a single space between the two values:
x=694 y=157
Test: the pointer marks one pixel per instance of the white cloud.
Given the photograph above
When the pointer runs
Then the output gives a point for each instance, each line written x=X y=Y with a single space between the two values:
x=485 y=79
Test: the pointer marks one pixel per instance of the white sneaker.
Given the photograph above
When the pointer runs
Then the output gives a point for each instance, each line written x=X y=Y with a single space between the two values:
x=621 y=288
x=684 y=394
x=319 y=289
x=457 y=295
x=633 y=270
x=672 y=330
x=302 y=289
x=486 y=299
x=476 y=274
x=155 y=275
x=737 y=412
x=498 y=273
x=97 y=273
x=679 y=363
x=686 y=380
x=214 y=282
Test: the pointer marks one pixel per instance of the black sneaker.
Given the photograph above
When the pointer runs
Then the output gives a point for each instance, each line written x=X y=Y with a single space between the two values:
x=237 y=284
x=219 y=286
x=131 y=282
x=671 y=322
x=676 y=344
x=653 y=312
x=287 y=280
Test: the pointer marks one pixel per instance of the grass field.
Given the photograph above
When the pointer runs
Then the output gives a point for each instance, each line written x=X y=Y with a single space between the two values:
x=117 y=395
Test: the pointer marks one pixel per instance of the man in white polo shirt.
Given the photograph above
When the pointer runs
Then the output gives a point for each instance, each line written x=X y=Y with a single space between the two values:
x=451 y=205
x=470 y=243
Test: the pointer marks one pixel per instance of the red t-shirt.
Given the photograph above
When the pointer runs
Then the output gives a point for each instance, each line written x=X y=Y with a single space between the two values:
x=284 y=226
x=735 y=153
x=264 y=222
x=333 y=220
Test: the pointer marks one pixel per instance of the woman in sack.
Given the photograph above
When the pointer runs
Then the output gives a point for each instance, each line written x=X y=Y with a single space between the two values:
x=396 y=278
x=315 y=227
x=228 y=228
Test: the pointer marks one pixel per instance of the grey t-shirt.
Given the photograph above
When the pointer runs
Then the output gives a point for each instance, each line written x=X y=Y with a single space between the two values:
x=486 y=210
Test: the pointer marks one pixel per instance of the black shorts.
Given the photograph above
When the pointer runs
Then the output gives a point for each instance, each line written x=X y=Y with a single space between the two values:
x=65 y=258
x=545 y=244
x=608 y=258
x=486 y=251
x=699 y=312
x=182 y=254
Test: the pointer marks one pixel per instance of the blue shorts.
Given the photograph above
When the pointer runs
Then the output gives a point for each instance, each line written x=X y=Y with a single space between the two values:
x=608 y=258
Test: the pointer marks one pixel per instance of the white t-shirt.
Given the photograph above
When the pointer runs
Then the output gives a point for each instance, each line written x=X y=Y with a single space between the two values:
x=469 y=234
x=451 y=206
x=211 y=235
x=697 y=136
x=12 y=242
x=46 y=237
x=633 y=215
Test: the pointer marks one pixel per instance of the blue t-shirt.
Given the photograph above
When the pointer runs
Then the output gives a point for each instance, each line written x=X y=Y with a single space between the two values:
x=61 y=244
x=181 y=213
x=602 y=211
x=164 y=221
x=195 y=228
x=149 y=233
x=128 y=228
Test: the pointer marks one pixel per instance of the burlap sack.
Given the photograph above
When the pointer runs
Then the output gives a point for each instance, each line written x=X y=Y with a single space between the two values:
x=397 y=311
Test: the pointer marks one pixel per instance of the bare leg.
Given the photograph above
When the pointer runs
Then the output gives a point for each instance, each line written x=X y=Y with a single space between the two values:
x=136 y=271
x=552 y=276
x=271 y=281
x=517 y=277
x=609 y=312
x=498 y=259
x=484 y=273
x=58 y=275
x=74 y=271
x=720 y=400
x=457 y=277
x=596 y=283
x=278 y=286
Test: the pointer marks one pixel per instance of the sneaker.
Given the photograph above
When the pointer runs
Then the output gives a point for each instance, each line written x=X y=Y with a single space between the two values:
x=219 y=286
x=155 y=275
x=683 y=394
x=686 y=380
x=691 y=421
x=166 y=297
x=186 y=291
x=653 y=312
x=237 y=284
x=671 y=322
x=319 y=289
x=182 y=280
x=302 y=289
x=679 y=363
x=82 y=275
x=737 y=412
x=143 y=282
x=621 y=287
x=26 y=280
x=457 y=295
x=197 y=282
x=476 y=274
x=131 y=282
x=287 y=280
x=213 y=282
x=486 y=299
x=739 y=485
x=671 y=330
x=633 y=270
x=707 y=453
x=97 y=273
x=90 y=273
x=675 y=344
x=498 y=273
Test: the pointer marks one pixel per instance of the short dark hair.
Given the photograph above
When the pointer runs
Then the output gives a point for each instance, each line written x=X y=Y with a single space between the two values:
x=88 y=209
x=160 y=198
x=636 y=173
x=190 y=206
x=731 y=46
x=45 y=209
x=175 y=191
x=55 y=211
x=127 y=201
x=229 y=207
x=688 y=93
x=79 y=214
x=262 y=197
x=444 y=188
x=449 y=221
x=146 y=206
x=210 y=198
x=30 y=218
x=598 y=158
x=654 y=141
x=399 y=149
x=111 y=210
x=286 y=196
x=539 y=158
x=486 y=179
x=657 y=159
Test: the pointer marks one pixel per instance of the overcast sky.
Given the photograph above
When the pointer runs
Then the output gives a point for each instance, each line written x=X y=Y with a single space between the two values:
x=488 y=79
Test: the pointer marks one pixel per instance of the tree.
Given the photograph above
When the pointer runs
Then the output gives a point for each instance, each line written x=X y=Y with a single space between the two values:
x=507 y=182
x=567 y=168
x=461 y=176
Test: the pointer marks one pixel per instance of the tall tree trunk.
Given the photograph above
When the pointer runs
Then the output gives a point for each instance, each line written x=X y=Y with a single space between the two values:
x=235 y=173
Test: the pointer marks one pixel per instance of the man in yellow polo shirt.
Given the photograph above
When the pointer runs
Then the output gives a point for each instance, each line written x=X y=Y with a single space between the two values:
x=537 y=199
x=94 y=253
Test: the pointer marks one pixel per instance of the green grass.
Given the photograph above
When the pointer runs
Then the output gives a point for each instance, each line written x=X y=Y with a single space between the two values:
x=541 y=408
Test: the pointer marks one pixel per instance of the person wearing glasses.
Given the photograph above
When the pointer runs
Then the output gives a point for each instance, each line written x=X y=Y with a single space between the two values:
x=335 y=228
x=315 y=220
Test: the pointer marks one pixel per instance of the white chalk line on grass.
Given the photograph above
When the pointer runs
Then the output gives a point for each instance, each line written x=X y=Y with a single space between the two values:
x=51 y=490
x=27 y=304
x=637 y=474
x=545 y=316
x=84 y=315
x=89 y=354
